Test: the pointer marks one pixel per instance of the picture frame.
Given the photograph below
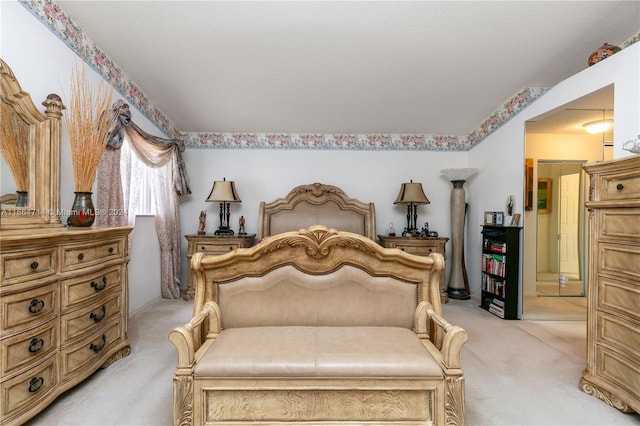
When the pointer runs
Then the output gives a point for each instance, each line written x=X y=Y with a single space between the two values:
x=515 y=219
x=488 y=218
x=499 y=218
x=528 y=184
x=544 y=196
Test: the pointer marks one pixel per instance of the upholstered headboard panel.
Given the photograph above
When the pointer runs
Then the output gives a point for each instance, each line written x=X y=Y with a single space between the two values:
x=317 y=204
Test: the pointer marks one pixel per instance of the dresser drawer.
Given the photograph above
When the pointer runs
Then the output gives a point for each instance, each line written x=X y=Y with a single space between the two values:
x=618 y=370
x=619 y=296
x=22 y=310
x=219 y=248
x=619 y=260
x=29 y=386
x=85 y=354
x=619 y=225
x=87 y=320
x=418 y=250
x=620 y=334
x=26 y=348
x=86 y=289
x=87 y=254
x=19 y=267
x=620 y=186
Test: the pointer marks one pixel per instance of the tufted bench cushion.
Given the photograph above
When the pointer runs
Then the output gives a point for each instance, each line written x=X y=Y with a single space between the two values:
x=294 y=351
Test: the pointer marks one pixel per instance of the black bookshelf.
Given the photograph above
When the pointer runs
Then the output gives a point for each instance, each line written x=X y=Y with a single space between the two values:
x=500 y=270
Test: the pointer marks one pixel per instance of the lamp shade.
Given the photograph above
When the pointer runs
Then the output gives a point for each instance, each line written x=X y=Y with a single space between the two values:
x=224 y=191
x=411 y=193
x=458 y=174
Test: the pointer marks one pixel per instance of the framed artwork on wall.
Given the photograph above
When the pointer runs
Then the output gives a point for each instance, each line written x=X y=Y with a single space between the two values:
x=528 y=184
x=544 y=195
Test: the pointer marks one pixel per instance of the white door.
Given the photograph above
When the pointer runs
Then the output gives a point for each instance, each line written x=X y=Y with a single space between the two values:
x=569 y=211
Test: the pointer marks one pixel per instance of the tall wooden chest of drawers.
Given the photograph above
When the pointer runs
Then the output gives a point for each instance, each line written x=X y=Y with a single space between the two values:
x=613 y=314
x=63 y=312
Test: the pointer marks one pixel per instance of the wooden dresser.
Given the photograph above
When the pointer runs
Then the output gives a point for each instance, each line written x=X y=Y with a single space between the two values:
x=63 y=312
x=211 y=244
x=421 y=246
x=613 y=316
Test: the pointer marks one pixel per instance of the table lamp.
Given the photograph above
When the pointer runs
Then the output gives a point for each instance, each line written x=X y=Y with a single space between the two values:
x=411 y=194
x=224 y=191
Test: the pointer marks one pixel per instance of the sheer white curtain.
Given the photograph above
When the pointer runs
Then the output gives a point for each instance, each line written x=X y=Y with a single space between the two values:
x=132 y=154
x=158 y=183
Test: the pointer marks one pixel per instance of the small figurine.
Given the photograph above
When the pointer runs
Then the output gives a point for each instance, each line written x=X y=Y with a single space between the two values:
x=241 y=225
x=203 y=222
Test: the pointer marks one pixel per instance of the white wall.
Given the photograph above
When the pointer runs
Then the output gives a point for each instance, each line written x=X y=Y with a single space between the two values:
x=370 y=176
x=43 y=64
x=501 y=155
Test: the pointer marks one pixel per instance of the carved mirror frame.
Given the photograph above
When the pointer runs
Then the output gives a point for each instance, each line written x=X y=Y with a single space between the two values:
x=43 y=207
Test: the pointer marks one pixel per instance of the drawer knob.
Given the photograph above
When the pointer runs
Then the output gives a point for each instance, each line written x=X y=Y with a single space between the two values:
x=98 y=347
x=80 y=256
x=110 y=250
x=34 y=265
x=99 y=287
x=619 y=187
x=36 y=345
x=100 y=315
x=36 y=306
x=35 y=384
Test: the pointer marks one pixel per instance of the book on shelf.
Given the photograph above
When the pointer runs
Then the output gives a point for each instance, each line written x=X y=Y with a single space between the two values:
x=496 y=310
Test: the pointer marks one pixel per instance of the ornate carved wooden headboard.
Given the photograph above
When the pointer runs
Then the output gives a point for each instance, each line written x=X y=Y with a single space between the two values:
x=317 y=204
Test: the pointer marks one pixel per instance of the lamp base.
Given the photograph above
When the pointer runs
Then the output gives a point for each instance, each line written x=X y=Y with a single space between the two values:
x=224 y=230
x=458 y=293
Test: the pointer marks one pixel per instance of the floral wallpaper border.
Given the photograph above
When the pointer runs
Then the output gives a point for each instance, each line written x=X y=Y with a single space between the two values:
x=49 y=13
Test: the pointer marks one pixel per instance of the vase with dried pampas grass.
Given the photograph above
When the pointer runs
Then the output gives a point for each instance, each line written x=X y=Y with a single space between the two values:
x=88 y=121
x=14 y=146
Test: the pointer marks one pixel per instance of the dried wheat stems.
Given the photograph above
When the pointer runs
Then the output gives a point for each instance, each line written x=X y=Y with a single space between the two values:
x=88 y=121
x=14 y=145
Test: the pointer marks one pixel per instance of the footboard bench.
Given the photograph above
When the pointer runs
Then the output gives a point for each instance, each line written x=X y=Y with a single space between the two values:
x=316 y=327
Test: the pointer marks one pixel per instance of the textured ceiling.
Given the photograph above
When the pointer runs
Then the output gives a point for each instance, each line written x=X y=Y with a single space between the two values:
x=363 y=67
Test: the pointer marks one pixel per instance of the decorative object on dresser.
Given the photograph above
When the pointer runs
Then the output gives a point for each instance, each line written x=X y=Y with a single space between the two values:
x=225 y=193
x=500 y=270
x=42 y=207
x=212 y=244
x=411 y=194
x=458 y=282
x=317 y=204
x=89 y=129
x=612 y=373
x=318 y=326
x=422 y=246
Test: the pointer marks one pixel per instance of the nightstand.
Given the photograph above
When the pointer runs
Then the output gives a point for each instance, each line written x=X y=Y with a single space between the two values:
x=422 y=246
x=212 y=244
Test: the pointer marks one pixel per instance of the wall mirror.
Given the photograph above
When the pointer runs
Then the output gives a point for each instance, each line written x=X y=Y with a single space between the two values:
x=30 y=142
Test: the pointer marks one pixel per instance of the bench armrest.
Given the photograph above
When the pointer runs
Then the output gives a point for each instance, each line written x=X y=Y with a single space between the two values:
x=447 y=339
x=192 y=339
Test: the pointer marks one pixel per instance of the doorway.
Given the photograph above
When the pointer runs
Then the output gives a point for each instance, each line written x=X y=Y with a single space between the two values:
x=554 y=281
x=560 y=268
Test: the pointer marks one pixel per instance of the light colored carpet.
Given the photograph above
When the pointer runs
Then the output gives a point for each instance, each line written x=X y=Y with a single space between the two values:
x=517 y=373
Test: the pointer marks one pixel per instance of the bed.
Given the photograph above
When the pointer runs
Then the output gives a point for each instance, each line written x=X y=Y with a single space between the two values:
x=317 y=204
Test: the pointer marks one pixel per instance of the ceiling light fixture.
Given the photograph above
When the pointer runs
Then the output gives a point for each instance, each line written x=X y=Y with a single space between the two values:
x=598 y=126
